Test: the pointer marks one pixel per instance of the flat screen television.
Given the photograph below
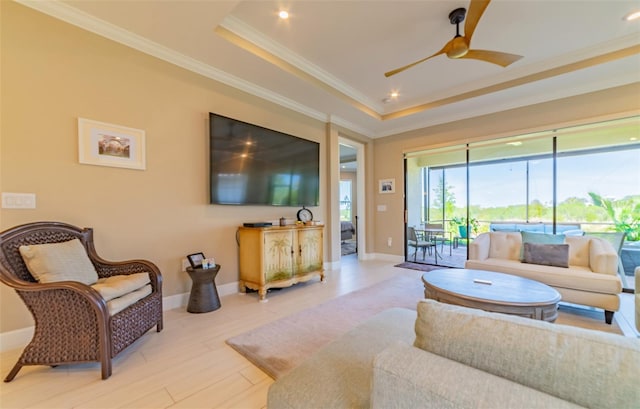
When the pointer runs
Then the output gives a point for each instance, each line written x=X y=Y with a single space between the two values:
x=252 y=165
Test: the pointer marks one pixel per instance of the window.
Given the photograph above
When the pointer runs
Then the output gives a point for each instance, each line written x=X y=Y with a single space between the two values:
x=345 y=200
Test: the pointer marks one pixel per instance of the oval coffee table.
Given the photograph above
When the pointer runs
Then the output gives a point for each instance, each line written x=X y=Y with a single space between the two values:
x=492 y=291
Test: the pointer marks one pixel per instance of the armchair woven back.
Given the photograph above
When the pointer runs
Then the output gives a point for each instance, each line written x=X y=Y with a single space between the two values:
x=72 y=321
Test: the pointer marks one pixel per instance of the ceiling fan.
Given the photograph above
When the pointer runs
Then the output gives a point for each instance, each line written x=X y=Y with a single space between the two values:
x=458 y=47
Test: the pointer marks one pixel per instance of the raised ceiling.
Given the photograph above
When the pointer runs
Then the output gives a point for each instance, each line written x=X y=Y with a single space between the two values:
x=329 y=58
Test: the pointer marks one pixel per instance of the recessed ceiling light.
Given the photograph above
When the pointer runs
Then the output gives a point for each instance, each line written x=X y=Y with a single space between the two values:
x=632 y=16
x=394 y=94
x=516 y=143
x=283 y=14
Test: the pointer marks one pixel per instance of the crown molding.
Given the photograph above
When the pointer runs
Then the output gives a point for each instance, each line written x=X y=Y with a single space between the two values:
x=78 y=18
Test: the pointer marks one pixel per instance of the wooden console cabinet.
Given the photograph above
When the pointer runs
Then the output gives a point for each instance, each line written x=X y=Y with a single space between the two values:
x=279 y=256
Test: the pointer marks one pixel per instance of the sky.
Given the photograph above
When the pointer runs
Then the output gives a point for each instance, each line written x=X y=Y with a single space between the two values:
x=613 y=175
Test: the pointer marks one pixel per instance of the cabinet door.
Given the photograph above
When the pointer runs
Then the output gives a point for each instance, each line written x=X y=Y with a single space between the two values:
x=309 y=251
x=278 y=255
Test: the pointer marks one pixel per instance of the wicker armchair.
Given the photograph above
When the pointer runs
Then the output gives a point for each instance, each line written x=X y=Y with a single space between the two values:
x=72 y=322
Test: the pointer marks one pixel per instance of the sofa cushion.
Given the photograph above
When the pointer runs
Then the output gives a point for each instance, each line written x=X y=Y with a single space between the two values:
x=546 y=254
x=539 y=238
x=589 y=368
x=578 y=250
x=65 y=261
x=408 y=377
x=505 y=245
x=574 y=277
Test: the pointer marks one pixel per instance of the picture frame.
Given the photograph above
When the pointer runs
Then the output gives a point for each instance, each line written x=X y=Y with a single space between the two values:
x=387 y=186
x=104 y=144
x=195 y=260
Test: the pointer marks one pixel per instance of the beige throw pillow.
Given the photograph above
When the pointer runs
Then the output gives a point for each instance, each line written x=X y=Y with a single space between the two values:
x=66 y=261
x=578 y=250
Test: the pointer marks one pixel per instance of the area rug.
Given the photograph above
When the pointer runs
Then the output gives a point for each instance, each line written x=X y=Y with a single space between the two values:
x=348 y=247
x=280 y=346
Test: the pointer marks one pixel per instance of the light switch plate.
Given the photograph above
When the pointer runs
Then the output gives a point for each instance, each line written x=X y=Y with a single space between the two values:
x=18 y=200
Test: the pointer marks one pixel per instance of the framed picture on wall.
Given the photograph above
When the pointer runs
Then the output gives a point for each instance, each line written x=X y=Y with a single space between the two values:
x=387 y=186
x=104 y=144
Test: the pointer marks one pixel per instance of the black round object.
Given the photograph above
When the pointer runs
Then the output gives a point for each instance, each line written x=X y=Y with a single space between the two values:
x=305 y=215
x=457 y=15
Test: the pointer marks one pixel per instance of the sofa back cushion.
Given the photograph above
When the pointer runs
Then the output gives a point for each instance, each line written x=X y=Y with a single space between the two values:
x=587 y=367
x=578 y=250
x=505 y=245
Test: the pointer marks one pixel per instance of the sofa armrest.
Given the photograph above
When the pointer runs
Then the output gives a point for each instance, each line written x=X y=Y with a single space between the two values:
x=602 y=257
x=408 y=377
x=479 y=248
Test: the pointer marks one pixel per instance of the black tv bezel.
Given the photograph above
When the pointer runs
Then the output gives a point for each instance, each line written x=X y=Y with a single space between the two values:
x=212 y=115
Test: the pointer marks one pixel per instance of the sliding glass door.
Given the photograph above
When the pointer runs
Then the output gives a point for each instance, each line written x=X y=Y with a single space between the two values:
x=583 y=178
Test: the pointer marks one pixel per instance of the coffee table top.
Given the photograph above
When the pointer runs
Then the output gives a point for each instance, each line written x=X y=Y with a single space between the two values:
x=504 y=288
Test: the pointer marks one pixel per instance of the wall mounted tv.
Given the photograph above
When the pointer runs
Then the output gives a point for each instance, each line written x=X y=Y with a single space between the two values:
x=252 y=165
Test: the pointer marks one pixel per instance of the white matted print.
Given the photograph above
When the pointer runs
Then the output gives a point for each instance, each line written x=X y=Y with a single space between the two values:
x=104 y=144
x=387 y=186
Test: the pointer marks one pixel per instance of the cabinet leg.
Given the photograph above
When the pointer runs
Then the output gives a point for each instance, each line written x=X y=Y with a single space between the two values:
x=323 y=279
x=262 y=292
x=242 y=288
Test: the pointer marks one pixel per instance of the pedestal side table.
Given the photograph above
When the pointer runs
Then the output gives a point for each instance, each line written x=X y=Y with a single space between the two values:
x=204 y=294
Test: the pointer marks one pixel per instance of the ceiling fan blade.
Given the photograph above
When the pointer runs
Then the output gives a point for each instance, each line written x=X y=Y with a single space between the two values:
x=494 y=57
x=406 y=67
x=476 y=9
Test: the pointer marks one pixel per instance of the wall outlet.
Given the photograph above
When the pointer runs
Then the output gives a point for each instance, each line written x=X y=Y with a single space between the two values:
x=389 y=241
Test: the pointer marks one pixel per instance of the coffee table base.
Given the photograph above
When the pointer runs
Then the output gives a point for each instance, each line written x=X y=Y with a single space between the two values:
x=545 y=313
x=492 y=291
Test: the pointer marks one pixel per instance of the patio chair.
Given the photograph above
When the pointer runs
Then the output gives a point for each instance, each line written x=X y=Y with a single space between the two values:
x=418 y=243
x=437 y=235
x=74 y=321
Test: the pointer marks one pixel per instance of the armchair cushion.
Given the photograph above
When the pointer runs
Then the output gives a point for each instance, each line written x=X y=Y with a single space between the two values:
x=120 y=303
x=66 y=261
x=117 y=286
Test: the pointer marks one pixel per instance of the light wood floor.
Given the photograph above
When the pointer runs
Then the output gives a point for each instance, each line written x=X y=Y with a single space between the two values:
x=188 y=364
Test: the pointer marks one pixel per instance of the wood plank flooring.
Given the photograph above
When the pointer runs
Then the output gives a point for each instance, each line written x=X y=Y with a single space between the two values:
x=188 y=365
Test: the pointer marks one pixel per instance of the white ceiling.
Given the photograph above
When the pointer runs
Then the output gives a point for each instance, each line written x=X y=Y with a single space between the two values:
x=328 y=59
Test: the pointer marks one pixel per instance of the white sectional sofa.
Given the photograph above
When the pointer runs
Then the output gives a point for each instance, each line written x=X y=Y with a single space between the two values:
x=590 y=278
x=456 y=357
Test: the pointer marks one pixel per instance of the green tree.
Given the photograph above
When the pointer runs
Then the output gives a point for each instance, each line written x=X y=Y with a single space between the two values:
x=624 y=213
x=442 y=197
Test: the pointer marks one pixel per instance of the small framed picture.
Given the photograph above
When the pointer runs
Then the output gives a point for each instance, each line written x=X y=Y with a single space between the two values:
x=387 y=186
x=195 y=260
x=103 y=144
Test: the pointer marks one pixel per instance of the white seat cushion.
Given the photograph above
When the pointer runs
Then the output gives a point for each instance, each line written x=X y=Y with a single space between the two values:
x=117 y=286
x=118 y=304
x=52 y=262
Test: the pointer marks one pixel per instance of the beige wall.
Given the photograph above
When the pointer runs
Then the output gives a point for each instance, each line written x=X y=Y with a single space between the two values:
x=612 y=103
x=53 y=73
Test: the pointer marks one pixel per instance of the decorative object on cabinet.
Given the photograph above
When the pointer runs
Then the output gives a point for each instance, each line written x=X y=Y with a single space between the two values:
x=305 y=215
x=277 y=257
